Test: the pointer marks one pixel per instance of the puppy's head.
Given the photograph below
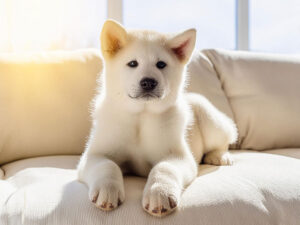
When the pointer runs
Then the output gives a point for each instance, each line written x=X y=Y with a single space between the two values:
x=145 y=66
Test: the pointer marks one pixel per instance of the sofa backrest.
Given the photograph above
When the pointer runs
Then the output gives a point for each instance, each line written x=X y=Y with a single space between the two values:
x=44 y=102
x=45 y=99
x=263 y=92
x=203 y=79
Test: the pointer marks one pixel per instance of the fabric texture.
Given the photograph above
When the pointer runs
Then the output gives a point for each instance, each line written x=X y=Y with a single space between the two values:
x=290 y=152
x=258 y=189
x=45 y=101
x=263 y=91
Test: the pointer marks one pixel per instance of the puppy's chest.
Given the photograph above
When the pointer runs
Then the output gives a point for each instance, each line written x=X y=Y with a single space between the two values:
x=147 y=139
x=146 y=133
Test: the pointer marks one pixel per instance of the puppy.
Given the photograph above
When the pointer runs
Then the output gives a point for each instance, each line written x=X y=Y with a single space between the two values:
x=144 y=123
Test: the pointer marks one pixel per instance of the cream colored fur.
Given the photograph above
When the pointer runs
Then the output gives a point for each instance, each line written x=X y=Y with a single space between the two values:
x=164 y=137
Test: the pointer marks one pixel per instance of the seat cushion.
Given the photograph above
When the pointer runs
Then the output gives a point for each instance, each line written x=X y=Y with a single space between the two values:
x=44 y=102
x=258 y=189
x=263 y=91
x=290 y=152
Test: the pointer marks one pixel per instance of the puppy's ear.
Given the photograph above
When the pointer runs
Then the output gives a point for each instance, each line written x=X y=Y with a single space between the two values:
x=113 y=38
x=183 y=44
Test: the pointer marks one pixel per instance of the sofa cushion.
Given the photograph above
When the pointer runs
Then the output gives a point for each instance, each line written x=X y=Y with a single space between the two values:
x=62 y=162
x=203 y=79
x=290 y=152
x=261 y=189
x=44 y=102
x=264 y=93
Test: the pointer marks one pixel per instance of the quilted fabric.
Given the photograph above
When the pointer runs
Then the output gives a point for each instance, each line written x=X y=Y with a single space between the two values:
x=261 y=189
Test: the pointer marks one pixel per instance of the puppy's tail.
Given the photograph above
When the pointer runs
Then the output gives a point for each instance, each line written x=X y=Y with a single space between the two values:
x=211 y=119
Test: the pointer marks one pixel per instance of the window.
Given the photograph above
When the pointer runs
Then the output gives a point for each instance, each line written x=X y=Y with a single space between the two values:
x=275 y=26
x=50 y=24
x=213 y=19
x=256 y=25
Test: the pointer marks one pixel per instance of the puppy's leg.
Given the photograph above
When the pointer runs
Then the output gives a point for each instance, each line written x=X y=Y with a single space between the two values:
x=165 y=184
x=217 y=130
x=104 y=180
x=219 y=157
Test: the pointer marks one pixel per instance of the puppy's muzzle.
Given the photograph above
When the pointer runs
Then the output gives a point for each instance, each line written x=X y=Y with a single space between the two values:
x=148 y=84
x=148 y=89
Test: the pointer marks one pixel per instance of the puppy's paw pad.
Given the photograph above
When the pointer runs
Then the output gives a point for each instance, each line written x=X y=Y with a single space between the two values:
x=218 y=159
x=159 y=204
x=107 y=196
x=172 y=202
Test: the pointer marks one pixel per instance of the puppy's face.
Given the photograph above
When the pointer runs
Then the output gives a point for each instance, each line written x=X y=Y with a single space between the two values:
x=145 y=66
x=146 y=71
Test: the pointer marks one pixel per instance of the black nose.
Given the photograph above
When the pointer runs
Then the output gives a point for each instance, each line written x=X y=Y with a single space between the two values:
x=148 y=84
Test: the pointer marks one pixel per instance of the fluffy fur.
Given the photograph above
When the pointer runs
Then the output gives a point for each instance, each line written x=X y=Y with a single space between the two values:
x=162 y=133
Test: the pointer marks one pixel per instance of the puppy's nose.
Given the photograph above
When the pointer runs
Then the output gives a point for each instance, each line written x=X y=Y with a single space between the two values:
x=148 y=84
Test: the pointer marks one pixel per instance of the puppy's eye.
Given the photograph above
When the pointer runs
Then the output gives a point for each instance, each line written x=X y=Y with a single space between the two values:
x=133 y=63
x=161 y=64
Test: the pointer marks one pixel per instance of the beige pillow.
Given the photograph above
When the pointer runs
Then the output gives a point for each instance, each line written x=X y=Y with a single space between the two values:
x=264 y=93
x=44 y=102
x=203 y=79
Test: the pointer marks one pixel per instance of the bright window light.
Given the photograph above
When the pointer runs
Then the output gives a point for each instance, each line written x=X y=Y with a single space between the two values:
x=275 y=26
x=50 y=24
x=34 y=25
x=213 y=19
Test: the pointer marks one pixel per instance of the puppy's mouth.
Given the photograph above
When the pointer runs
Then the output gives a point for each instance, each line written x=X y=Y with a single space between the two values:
x=146 y=96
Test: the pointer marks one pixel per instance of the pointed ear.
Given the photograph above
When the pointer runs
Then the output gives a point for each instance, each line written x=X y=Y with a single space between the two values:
x=182 y=45
x=113 y=38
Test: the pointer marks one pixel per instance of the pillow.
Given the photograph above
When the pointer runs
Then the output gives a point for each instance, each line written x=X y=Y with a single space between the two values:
x=203 y=79
x=44 y=102
x=264 y=93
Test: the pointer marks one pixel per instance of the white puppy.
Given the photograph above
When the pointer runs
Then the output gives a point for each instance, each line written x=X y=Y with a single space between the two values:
x=144 y=123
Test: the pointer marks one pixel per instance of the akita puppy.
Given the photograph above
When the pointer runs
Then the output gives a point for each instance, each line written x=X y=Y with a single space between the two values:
x=144 y=123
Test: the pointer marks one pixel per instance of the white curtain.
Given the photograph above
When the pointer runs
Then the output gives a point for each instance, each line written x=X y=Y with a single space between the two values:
x=35 y=25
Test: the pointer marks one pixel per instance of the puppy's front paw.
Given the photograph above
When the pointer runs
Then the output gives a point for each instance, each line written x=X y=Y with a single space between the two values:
x=160 y=200
x=218 y=159
x=107 y=195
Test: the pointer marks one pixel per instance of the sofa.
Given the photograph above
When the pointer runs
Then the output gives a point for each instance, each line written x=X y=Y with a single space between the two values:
x=45 y=120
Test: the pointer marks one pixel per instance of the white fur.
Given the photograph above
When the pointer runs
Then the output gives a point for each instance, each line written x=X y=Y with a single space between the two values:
x=163 y=138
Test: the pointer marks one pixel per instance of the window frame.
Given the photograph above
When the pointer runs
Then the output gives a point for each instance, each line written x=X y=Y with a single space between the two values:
x=115 y=11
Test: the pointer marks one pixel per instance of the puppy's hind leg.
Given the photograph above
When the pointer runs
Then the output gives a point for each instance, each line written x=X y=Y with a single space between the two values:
x=219 y=157
x=104 y=180
x=217 y=130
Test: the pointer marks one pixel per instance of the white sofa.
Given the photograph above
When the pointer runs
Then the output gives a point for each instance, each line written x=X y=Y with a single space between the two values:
x=44 y=122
